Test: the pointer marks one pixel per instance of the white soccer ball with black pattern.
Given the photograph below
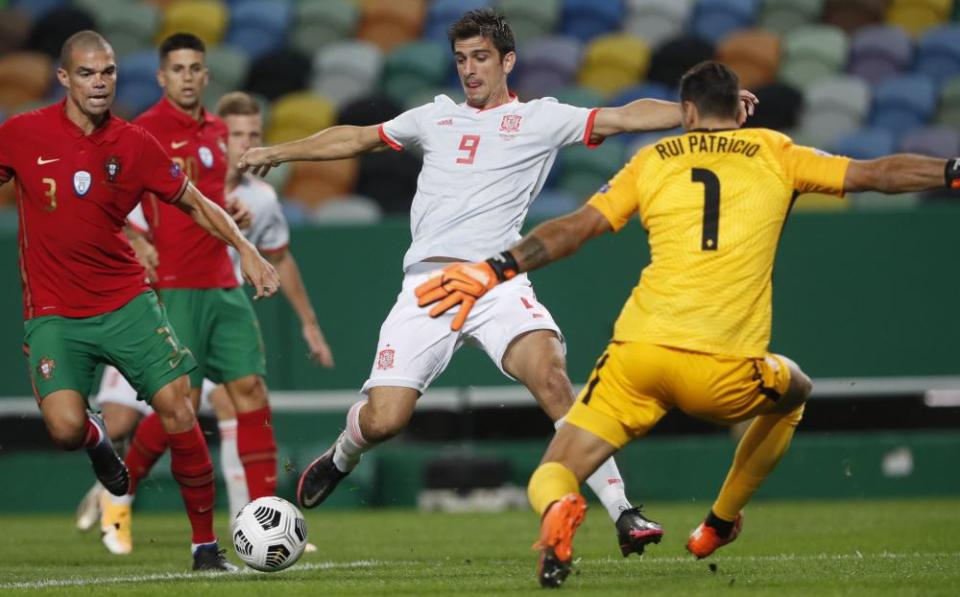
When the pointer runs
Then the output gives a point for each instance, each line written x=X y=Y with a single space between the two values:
x=269 y=534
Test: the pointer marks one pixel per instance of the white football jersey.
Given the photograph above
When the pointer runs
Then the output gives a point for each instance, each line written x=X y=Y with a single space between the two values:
x=481 y=170
x=269 y=231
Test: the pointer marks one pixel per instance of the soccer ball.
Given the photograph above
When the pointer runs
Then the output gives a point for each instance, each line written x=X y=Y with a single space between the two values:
x=269 y=534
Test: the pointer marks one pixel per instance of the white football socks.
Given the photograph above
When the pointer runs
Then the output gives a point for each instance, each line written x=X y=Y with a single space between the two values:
x=233 y=473
x=607 y=484
x=351 y=445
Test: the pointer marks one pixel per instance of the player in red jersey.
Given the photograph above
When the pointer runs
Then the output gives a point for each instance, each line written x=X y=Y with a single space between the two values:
x=79 y=170
x=195 y=278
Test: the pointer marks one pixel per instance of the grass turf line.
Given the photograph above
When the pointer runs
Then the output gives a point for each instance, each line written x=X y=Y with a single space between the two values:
x=905 y=547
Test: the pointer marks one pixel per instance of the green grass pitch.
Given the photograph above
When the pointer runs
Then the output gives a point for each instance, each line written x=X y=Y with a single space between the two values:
x=908 y=547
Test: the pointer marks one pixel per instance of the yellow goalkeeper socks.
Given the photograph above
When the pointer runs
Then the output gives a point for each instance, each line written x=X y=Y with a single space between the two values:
x=759 y=451
x=550 y=482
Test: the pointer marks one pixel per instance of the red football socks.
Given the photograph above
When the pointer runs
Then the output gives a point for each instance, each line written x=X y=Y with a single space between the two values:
x=258 y=451
x=149 y=443
x=193 y=470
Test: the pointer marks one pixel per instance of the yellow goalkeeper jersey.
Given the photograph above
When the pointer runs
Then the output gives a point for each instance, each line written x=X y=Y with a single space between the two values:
x=714 y=204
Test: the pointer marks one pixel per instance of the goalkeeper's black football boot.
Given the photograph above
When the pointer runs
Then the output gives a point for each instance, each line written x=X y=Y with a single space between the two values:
x=211 y=557
x=107 y=464
x=557 y=528
x=319 y=480
x=635 y=531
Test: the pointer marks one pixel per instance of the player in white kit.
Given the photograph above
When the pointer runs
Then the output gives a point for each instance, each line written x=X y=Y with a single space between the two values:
x=270 y=233
x=484 y=161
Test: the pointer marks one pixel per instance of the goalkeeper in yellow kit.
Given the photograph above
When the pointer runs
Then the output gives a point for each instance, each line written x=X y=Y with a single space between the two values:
x=694 y=332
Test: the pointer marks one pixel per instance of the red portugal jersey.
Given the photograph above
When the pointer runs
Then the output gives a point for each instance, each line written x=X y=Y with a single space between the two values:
x=74 y=192
x=189 y=256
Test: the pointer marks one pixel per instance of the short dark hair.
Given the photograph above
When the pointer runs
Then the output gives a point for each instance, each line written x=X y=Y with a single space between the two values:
x=713 y=88
x=181 y=41
x=86 y=40
x=487 y=23
x=237 y=103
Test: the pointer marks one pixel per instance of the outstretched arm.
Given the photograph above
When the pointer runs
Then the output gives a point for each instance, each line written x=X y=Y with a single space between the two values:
x=902 y=173
x=334 y=143
x=651 y=115
x=464 y=283
x=212 y=218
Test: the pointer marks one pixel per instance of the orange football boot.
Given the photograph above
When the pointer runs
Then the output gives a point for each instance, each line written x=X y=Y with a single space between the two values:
x=557 y=528
x=704 y=539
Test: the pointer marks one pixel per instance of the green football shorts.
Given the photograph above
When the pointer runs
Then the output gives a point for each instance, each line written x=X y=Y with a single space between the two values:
x=220 y=328
x=63 y=352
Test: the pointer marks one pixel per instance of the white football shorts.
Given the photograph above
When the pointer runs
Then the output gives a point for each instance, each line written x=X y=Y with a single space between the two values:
x=415 y=348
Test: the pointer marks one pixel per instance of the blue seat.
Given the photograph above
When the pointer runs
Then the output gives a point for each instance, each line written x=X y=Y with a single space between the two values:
x=136 y=96
x=934 y=141
x=866 y=144
x=715 y=19
x=904 y=103
x=443 y=13
x=878 y=52
x=938 y=53
x=652 y=90
x=259 y=26
x=36 y=9
x=586 y=19
x=548 y=64
x=138 y=67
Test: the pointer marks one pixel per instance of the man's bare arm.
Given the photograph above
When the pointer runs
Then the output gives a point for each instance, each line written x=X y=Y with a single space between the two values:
x=650 y=115
x=558 y=238
x=334 y=143
x=901 y=173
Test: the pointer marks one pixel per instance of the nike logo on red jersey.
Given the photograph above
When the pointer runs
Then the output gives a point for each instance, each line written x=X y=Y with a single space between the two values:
x=41 y=161
x=178 y=144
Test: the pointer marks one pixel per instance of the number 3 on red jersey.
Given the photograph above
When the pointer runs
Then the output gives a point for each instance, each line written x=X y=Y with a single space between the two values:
x=469 y=143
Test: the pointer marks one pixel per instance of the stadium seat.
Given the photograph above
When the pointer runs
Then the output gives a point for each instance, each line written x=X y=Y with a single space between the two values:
x=367 y=111
x=427 y=94
x=851 y=15
x=584 y=170
x=812 y=53
x=389 y=23
x=834 y=107
x=347 y=70
x=14 y=30
x=587 y=19
x=676 y=56
x=442 y=13
x=715 y=19
x=916 y=16
x=783 y=16
x=313 y=183
x=349 y=209
x=24 y=77
x=278 y=73
x=317 y=24
x=130 y=26
x=866 y=143
x=547 y=64
x=207 y=19
x=937 y=141
x=297 y=115
x=644 y=91
x=413 y=66
x=938 y=53
x=904 y=103
x=530 y=20
x=228 y=67
x=879 y=52
x=48 y=34
x=779 y=107
x=137 y=87
x=656 y=21
x=579 y=96
x=37 y=9
x=390 y=178
x=754 y=54
x=613 y=62
x=259 y=26
x=950 y=103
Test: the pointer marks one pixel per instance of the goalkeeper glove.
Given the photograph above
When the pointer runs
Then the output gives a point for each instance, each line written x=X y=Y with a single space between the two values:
x=951 y=174
x=463 y=284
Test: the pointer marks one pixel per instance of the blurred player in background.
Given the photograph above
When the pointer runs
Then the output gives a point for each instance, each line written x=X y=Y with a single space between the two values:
x=79 y=170
x=694 y=333
x=268 y=232
x=484 y=161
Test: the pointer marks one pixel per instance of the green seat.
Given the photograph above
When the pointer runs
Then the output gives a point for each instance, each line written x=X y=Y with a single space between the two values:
x=129 y=26
x=228 y=69
x=530 y=19
x=584 y=170
x=950 y=103
x=414 y=66
x=784 y=16
x=813 y=52
x=579 y=96
x=319 y=23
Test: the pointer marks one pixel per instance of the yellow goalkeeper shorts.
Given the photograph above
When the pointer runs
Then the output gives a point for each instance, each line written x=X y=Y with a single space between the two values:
x=634 y=384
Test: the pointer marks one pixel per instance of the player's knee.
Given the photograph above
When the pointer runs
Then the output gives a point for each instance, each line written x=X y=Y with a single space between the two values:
x=381 y=425
x=66 y=433
x=248 y=393
x=797 y=392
